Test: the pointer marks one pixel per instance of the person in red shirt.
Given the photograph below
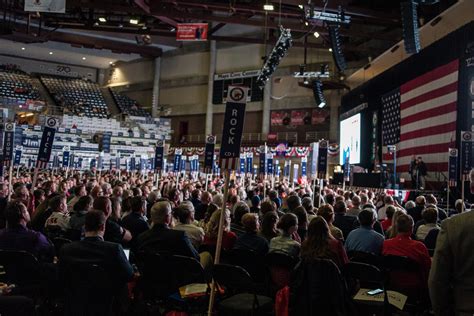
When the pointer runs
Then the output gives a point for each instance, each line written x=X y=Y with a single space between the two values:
x=212 y=230
x=387 y=223
x=403 y=245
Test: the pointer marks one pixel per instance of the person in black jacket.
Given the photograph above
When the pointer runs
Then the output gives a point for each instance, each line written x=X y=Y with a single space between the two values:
x=135 y=221
x=160 y=238
x=346 y=223
x=93 y=249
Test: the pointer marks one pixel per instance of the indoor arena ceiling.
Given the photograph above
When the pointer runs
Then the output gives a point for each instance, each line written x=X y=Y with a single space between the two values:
x=375 y=24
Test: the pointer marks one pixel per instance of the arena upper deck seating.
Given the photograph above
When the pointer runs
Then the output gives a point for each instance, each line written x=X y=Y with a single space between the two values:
x=128 y=105
x=77 y=96
x=17 y=85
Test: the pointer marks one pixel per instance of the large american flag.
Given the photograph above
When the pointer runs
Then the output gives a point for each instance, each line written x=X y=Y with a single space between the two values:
x=420 y=119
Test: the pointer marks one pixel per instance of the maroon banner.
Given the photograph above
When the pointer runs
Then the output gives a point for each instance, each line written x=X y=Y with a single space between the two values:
x=192 y=32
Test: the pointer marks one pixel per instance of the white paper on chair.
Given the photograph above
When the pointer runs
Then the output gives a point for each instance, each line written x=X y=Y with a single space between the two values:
x=394 y=298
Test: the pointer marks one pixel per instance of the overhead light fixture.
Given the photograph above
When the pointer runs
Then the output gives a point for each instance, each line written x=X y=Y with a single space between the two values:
x=330 y=49
x=300 y=6
x=316 y=34
x=23 y=48
x=102 y=19
x=96 y=23
x=268 y=7
x=120 y=25
x=305 y=81
x=84 y=58
x=306 y=23
x=50 y=53
x=134 y=21
x=111 y=62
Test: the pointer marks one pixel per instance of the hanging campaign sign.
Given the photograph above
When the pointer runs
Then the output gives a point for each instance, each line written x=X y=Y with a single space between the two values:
x=8 y=143
x=322 y=159
x=117 y=162
x=453 y=167
x=196 y=162
x=270 y=164
x=133 y=164
x=72 y=162
x=106 y=140
x=249 y=160
x=177 y=160
x=233 y=127
x=18 y=153
x=313 y=160
x=51 y=6
x=192 y=31
x=242 y=163
x=262 y=170
x=209 y=153
x=159 y=155
x=467 y=151
x=182 y=168
x=286 y=169
x=66 y=154
x=304 y=161
x=100 y=162
x=347 y=169
x=46 y=145
x=142 y=164
x=277 y=168
x=296 y=168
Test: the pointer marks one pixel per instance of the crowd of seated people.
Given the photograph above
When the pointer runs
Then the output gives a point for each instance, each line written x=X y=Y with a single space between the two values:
x=69 y=220
x=77 y=96
x=128 y=105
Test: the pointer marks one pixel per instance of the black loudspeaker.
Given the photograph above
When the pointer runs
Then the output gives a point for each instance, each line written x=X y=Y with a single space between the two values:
x=337 y=52
x=411 y=35
x=318 y=93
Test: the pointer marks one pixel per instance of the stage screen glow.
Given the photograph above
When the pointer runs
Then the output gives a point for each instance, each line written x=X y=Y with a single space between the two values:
x=350 y=139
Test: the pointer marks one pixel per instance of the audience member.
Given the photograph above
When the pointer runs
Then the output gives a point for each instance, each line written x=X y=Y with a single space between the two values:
x=185 y=215
x=364 y=238
x=346 y=223
x=268 y=228
x=288 y=225
x=250 y=240
x=430 y=217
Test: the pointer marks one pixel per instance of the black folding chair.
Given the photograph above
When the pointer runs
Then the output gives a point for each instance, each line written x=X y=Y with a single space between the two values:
x=22 y=269
x=250 y=261
x=240 y=296
x=59 y=242
x=280 y=266
x=365 y=257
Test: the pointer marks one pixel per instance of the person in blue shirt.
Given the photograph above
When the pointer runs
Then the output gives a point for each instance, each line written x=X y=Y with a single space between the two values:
x=365 y=238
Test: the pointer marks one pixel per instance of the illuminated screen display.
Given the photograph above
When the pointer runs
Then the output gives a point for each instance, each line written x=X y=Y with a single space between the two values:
x=350 y=139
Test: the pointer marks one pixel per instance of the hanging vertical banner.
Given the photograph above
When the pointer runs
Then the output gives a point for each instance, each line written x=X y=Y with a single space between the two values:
x=233 y=127
x=66 y=154
x=262 y=170
x=117 y=162
x=249 y=162
x=242 y=163
x=196 y=160
x=18 y=153
x=467 y=151
x=72 y=161
x=182 y=168
x=46 y=145
x=8 y=143
x=106 y=140
x=453 y=167
x=304 y=162
x=313 y=160
x=323 y=159
x=100 y=161
x=209 y=153
x=56 y=161
x=133 y=164
x=177 y=160
x=347 y=169
x=159 y=155
x=142 y=164
x=270 y=164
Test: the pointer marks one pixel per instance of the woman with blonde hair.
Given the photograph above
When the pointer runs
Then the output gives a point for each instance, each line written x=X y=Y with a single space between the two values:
x=392 y=232
x=212 y=230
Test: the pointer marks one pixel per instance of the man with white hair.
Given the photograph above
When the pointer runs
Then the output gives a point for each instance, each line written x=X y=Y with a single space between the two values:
x=451 y=281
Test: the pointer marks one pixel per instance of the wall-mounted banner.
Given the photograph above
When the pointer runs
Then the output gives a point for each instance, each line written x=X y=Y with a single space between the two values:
x=46 y=145
x=8 y=143
x=453 y=167
x=249 y=163
x=66 y=155
x=177 y=160
x=51 y=6
x=323 y=159
x=209 y=153
x=233 y=127
x=467 y=151
x=142 y=164
x=18 y=153
x=159 y=155
x=192 y=31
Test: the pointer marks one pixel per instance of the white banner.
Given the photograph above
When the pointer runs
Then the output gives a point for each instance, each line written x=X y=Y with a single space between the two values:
x=54 y=6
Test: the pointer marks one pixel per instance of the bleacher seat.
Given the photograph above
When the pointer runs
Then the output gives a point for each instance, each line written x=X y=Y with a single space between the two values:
x=17 y=86
x=127 y=105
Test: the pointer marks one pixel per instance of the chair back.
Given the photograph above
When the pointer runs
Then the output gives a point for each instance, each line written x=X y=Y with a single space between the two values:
x=234 y=278
x=364 y=257
x=250 y=261
x=157 y=274
x=21 y=267
x=280 y=266
x=398 y=269
x=59 y=242
x=188 y=270
x=400 y=263
x=88 y=288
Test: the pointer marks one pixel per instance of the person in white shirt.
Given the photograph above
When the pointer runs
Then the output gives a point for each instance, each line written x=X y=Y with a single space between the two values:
x=430 y=216
x=184 y=213
x=59 y=217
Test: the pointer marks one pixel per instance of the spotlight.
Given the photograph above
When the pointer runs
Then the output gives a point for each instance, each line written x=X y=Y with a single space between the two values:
x=300 y=6
x=306 y=23
x=102 y=19
x=316 y=34
x=96 y=24
x=50 y=53
x=305 y=80
x=84 y=58
x=318 y=93
x=330 y=49
x=133 y=21
x=23 y=48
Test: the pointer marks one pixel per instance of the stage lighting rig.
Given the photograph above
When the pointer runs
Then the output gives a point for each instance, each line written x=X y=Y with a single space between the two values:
x=279 y=51
x=313 y=15
x=322 y=73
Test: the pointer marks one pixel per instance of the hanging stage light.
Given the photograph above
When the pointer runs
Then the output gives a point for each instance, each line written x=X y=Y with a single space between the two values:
x=273 y=60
